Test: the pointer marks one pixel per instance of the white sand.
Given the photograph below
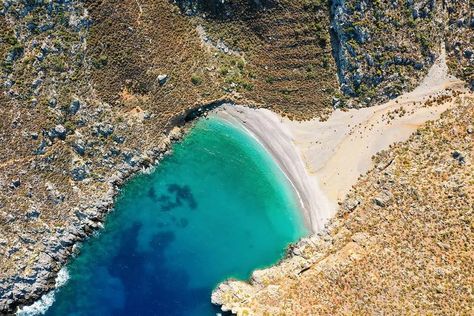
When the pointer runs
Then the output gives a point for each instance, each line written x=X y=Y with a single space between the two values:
x=266 y=127
x=324 y=159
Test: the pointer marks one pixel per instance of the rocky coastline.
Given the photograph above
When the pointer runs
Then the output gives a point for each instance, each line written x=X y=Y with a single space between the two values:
x=264 y=126
x=90 y=218
x=407 y=216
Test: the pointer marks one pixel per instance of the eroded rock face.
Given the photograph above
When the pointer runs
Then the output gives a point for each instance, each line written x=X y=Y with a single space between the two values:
x=383 y=48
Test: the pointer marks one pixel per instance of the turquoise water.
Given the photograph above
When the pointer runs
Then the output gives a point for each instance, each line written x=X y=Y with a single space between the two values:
x=218 y=207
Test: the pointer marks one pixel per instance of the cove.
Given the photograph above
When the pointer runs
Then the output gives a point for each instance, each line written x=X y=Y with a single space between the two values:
x=217 y=207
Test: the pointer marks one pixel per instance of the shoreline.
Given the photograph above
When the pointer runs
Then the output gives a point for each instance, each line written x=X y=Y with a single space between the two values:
x=384 y=200
x=337 y=152
x=96 y=213
x=278 y=143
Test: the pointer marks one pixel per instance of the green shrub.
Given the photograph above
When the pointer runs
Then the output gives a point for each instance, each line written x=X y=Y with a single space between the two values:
x=270 y=79
x=196 y=80
x=223 y=70
x=70 y=126
x=100 y=62
x=247 y=85
x=241 y=64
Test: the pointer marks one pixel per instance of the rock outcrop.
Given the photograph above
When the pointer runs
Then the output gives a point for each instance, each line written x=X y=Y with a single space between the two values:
x=459 y=35
x=383 y=48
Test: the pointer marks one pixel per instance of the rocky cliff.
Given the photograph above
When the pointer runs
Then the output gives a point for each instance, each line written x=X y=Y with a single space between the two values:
x=383 y=48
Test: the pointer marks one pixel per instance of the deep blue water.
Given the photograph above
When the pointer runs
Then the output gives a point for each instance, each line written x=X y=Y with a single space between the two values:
x=218 y=207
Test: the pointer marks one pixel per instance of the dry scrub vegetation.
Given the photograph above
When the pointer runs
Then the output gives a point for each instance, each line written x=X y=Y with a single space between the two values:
x=282 y=60
x=400 y=244
x=90 y=90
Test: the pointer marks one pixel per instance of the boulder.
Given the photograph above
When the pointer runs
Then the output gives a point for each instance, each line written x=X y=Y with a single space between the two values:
x=459 y=157
x=79 y=173
x=74 y=107
x=103 y=129
x=15 y=183
x=33 y=214
x=384 y=198
x=59 y=131
x=162 y=79
x=79 y=147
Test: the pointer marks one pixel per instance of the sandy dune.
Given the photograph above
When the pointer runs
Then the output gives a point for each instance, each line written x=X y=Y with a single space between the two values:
x=324 y=159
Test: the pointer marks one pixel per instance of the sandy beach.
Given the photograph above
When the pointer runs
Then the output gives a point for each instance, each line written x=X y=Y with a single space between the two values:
x=323 y=159
x=267 y=129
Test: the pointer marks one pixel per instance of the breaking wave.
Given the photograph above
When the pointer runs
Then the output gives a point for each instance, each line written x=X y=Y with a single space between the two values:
x=41 y=306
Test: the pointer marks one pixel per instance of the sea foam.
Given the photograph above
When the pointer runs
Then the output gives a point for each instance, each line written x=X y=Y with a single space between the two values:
x=41 y=306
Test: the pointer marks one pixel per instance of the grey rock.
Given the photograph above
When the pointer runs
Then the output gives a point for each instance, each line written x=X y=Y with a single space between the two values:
x=361 y=238
x=40 y=56
x=33 y=214
x=350 y=204
x=114 y=152
x=76 y=231
x=42 y=147
x=80 y=173
x=74 y=107
x=79 y=147
x=384 y=198
x=162 y=79
x=13 y=249
x=15 y=183
x=52 y=102
x=468 y=54
x=26 y=239
x=459 y=157
x=44 y=262
x=369 y=59
x=118 y=139
x=36 y=83
x=20 y=290
x=8 y=84
x=68 y=239
x=103 y=129
x=59 y=131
